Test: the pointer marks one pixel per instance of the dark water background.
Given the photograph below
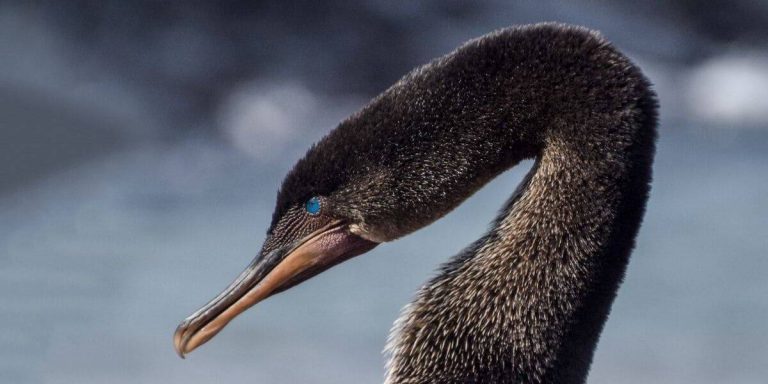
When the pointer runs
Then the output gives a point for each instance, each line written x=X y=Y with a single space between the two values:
x=141 y=145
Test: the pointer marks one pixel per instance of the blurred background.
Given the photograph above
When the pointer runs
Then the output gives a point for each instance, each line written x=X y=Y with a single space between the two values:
x=142 y=144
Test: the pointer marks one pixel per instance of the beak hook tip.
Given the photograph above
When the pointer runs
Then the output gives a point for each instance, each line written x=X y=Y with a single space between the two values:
x=178 y=340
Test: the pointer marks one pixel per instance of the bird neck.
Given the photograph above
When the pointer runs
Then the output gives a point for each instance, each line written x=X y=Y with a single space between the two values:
x=526 y=303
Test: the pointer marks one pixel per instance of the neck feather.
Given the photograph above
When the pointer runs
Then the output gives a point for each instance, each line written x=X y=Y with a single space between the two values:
x=526 y=302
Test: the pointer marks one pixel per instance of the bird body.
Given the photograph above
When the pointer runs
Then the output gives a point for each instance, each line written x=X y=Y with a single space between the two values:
x=526 y=302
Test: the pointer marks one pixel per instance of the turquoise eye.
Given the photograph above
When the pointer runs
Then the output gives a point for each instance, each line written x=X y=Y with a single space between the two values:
x=313 y=206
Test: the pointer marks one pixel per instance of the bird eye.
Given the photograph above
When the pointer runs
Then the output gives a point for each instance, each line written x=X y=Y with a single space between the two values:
x=313 y=206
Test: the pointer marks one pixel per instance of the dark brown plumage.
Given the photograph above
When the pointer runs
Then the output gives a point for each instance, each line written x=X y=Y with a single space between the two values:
x=526 y=302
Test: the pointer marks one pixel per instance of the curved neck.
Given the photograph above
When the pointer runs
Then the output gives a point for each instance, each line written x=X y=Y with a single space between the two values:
x=526 y=302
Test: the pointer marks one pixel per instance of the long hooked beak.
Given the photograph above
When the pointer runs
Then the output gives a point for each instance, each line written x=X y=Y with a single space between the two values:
x=267 y=275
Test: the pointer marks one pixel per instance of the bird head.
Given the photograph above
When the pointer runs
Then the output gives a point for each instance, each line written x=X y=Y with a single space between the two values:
x=403 y=161
x=315 y=226
x=341 y=200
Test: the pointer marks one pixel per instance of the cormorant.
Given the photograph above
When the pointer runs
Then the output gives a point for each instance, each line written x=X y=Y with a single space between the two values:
x=527 y=301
